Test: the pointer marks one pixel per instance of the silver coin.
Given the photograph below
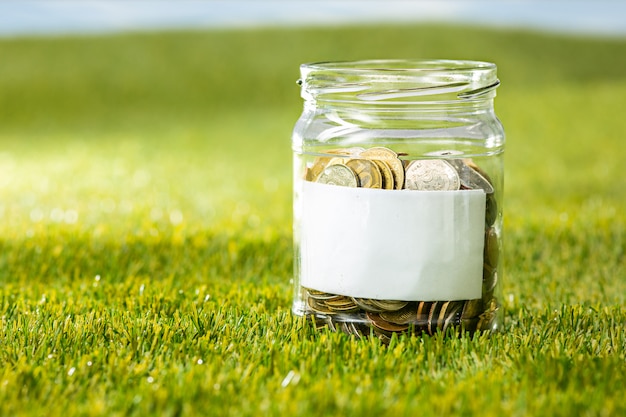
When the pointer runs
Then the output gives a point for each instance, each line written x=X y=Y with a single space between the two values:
x=470 y=178
x=338 y=174
x=431 y=175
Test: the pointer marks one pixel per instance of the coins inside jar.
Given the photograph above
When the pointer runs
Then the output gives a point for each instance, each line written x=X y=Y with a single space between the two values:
x=386 y=317
x=382 y=168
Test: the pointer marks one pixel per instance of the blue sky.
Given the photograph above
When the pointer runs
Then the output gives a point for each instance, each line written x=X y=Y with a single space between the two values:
x=600 y=17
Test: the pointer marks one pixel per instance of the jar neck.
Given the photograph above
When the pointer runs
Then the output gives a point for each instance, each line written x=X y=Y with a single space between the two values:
x=400 y=86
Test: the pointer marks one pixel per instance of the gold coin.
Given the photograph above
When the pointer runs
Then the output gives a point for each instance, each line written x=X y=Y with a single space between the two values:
x=344 y=308
x=314 y=171
x=366 y=304
x=385 y=325
x=432 y=314
x=352 y=328
x=491 y=247
x=442 y=313
x=384 y=336
x=391 y=159
x=340 y=302
x=422 y=311
x=491 y=213
x=312 y=291
x=453 y=316
x=472 y=308
x=367 y=172
x=337 y=161
x=387 y=174
x=490 y=278
x=320 y=295
x=319 y=307
x=338 y=175
x=389 y=305
x=339 y=306
x=405 y=315
x=486 y=319
x=469 y=325
x=432 y=175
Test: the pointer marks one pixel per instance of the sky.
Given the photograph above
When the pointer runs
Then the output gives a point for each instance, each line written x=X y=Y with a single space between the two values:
x=39 y=17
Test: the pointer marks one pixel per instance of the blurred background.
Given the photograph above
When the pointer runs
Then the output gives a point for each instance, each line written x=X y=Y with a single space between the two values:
x=63 y=16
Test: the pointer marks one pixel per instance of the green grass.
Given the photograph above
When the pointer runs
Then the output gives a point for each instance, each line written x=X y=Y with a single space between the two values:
x=145 y=231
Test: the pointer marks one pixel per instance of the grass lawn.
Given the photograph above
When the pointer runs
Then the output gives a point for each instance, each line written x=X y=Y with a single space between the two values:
x=145 y=231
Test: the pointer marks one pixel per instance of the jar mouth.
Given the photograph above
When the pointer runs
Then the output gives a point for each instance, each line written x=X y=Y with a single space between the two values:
x=401 y=66
x=399 y=81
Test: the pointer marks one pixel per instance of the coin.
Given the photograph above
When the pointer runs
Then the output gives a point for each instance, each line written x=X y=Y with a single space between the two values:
x=432 y=314
x=491 y=253
x=385 y=325
x=431 y=174
x=391 y=159
x=490 y=278
x=387 y=174
x=342 y=304
x=318 y=307
x=352 y=328
x=344 y=308
x=469 y=325
x=442 y=313
x=470 y=163
x=366 y=304
x=389 y=305
x=367 y=172
x=472 y=308
x=491 y=213
x=486 y=318
x=383 y=335
x=313 y=171
x=405 y=315
x=470 y=178
x=338 y=175
x=422 y=311
x=320 y=295
x=453 y=315
x=335 y=160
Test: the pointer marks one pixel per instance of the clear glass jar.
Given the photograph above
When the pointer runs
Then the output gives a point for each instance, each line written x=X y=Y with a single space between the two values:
x=397 y=188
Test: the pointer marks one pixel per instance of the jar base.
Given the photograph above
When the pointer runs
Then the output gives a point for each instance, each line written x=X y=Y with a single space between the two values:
x=366 y=324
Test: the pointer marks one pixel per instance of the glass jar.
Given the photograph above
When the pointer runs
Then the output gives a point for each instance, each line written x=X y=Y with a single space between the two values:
x=397 y=197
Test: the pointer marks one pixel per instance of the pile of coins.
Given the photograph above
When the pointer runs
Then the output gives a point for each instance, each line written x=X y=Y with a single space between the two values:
x=385 y=317
x=382 y=168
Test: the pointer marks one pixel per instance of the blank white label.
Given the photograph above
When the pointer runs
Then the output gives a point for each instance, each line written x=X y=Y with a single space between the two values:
x=392 y=244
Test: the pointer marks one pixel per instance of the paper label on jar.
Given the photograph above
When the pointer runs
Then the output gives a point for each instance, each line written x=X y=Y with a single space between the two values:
x=392 y=244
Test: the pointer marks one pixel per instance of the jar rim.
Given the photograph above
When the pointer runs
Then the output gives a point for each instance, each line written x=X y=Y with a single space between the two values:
x=401 y=66
x=399 y=82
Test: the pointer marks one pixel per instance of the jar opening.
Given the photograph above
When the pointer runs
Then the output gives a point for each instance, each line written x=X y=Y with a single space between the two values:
x=399 y=81
x=402 y=65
